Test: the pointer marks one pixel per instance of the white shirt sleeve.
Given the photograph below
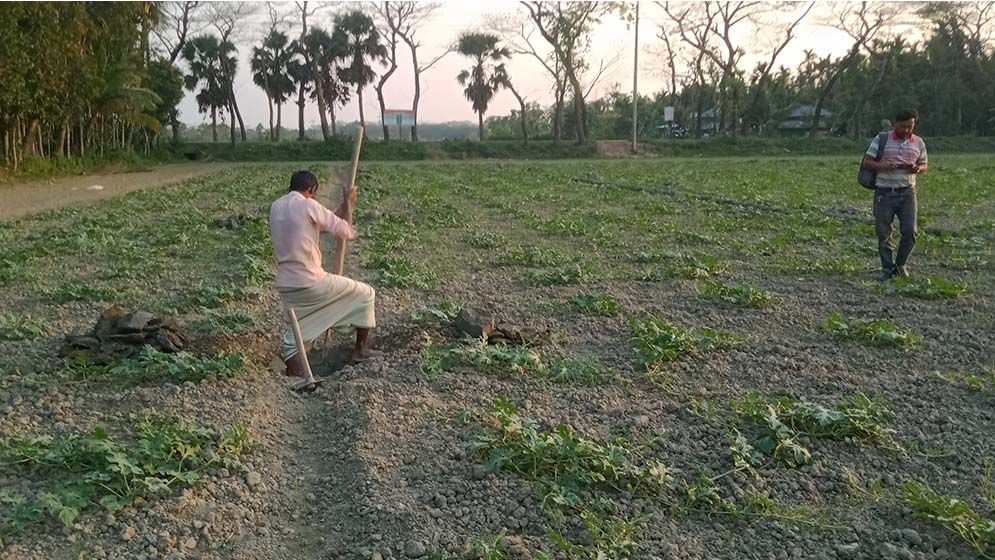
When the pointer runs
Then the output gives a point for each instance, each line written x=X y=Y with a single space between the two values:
x=326 y=220
x=922 y=155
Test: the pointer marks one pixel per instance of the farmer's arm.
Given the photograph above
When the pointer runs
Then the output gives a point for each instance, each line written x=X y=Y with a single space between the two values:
x=329 y=222
x=343 y=210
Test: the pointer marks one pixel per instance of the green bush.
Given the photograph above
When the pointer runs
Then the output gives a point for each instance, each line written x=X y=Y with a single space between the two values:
x=533 y=257
x=561 y=276
x=691 y=267
x=499 y=149
x=795 y=146
x=338 y=148
x=76 y=291
x=445 y=310
x=575 y=370
x=38 y=167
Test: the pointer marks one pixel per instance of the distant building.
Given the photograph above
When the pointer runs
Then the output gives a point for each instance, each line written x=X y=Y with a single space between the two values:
x=800 y=119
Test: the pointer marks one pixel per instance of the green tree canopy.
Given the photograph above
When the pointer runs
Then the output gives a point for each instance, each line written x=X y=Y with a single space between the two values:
x=482 y=80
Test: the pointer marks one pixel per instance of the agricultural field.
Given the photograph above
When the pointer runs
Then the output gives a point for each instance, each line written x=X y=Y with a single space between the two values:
x=709 y=370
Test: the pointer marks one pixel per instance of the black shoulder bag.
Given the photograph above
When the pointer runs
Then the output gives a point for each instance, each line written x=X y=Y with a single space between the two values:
x=867 y=177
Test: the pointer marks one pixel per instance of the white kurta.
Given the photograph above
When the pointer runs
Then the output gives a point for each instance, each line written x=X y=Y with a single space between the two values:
x=321 y=300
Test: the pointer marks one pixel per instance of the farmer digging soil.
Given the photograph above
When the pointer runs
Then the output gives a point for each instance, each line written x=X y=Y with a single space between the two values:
x=321 y=300
x=901 y=159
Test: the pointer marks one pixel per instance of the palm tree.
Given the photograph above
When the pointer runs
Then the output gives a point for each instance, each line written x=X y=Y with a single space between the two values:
x=326 y=50
x=119 y=98
x=356 y=31
x=502 y=78
x=229 y=67
x=300 y=73
x=261 y=65
x=270 y=71
x=203 y=57
x=482 y=80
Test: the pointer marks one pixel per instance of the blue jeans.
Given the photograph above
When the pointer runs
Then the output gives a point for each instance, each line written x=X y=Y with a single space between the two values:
x=888 y=205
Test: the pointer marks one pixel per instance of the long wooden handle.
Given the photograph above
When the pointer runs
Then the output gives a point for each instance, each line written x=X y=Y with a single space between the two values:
x=340 y=243
x=299 y=340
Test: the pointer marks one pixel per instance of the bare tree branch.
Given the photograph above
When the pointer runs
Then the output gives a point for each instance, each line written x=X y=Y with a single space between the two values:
x=177 y=22
x=406 y=19
x=602 y=66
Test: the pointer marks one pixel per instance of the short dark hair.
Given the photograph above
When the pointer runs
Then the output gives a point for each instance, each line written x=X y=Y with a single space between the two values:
x=302 y=181
x=907 y=114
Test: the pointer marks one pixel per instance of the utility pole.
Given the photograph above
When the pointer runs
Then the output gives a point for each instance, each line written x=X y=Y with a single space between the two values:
x=635 y=81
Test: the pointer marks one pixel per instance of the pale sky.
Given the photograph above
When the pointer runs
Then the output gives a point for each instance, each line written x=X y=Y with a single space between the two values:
x=442 y=98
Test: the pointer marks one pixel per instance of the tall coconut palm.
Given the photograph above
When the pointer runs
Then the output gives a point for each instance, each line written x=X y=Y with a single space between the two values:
x=358 y=33
x=203 y=57
x=261 y=65
x=481 y=81
x=270 y=71
x=300 y=72
x=502 y=78
x=229 y=67
x=326 y=50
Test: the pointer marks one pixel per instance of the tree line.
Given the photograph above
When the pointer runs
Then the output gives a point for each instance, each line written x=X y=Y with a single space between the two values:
x=947 y=74
x=85 y=78
x=77 y=79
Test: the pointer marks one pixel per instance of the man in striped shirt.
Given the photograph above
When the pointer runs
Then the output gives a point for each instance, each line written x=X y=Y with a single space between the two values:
x=903 y=157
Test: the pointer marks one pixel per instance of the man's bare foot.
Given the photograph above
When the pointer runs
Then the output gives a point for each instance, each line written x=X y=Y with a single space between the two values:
x=295 y=368
x=361 y=355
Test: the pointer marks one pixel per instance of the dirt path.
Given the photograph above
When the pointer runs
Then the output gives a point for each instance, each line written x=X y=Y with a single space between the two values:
x=34 y=196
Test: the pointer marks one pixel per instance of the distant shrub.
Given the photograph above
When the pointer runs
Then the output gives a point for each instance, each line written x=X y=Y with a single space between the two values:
x=338 y=148
x=498 y=149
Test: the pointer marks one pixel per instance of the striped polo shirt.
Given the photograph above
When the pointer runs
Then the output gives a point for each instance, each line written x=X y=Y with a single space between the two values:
x=909 y=150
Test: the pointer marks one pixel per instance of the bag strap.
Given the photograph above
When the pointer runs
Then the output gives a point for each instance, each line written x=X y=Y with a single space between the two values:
x=882 y=142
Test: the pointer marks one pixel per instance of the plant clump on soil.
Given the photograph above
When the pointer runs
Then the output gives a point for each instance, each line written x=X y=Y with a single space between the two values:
x=658 y=341
x=690 y=267
x=596 y=304
x=980 y=380
x=780 y=422
x=876 y=332
x=561 y=462
x=559 y=276
x=97 y=470
x=18 y=327
x=954 y=514
x=744 y=294
x=492 y=359
x=930 y=287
